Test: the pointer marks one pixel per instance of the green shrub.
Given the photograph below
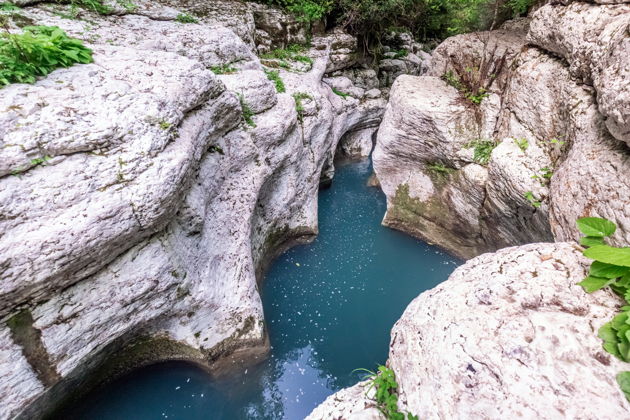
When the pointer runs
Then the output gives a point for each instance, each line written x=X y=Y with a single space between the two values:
x=610 y=268
x=529 y=196
x=36 y=52
x=274 y=76
x=425 y=19
x=386 y=387
x=96 y=6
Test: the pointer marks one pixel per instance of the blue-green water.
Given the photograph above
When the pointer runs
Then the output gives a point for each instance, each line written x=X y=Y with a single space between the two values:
x=330 y=306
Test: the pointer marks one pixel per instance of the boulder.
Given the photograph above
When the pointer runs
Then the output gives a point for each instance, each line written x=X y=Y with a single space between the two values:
x=509 y=334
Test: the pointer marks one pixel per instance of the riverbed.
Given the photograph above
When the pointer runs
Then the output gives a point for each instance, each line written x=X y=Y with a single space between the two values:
x=329 y=307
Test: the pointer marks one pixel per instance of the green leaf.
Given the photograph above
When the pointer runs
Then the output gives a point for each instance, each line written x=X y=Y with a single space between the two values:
x=608 y=271
x=607 y=333
x=596 y=226
x=592 y=240
x=609 y=254
x=623 y=379
x=591 y=284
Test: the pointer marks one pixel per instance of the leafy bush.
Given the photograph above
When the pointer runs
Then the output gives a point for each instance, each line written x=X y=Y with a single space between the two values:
x=610 y=268
x=36 y=52
x=372 y=19
x=439 y=168
x=529 y=196
x=386 y=393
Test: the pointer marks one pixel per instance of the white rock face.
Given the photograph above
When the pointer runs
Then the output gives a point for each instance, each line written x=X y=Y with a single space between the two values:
x=557 y=158
x=508 y=335
x=138 y=208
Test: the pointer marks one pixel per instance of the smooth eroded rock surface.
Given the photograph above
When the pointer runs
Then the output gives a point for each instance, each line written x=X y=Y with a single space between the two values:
x=508 y=335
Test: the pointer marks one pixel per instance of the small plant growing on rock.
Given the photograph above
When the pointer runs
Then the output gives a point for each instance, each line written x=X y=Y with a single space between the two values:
x=384 y=382
x=293 y=52
x=482 y=150
x=439 y=168
x=186 y=18
x=274 y=76
x=248 y=114
x=529 y=196
x=610 y=268
x=223 y=69
x=298 y=97
x=544 y=175
x=522 y=144
x=340 y=93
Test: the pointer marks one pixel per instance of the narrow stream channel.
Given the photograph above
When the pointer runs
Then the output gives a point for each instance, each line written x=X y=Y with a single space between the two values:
x=330 y=306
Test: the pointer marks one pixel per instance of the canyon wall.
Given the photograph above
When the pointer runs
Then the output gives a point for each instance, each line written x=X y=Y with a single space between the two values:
x=142 y=196
x=509 y=334
x=552 y=116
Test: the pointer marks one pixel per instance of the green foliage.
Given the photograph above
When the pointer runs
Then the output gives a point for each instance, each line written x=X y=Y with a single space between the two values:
x=340 y=93
x=164 y=125
x=298 y=97
x=8 y=7
x=248 y=114
x=519 y=7
x=128 y=5
x=34 y=162
x=529 y=196
x=384 y=382
x=544 y=175
x=96 y=6
x=36 y=52
x=293 y=52
x=610 y=268
x=522 y=144
x=439 y=168
x=475 y=96
x=274 y=76
x=482 y=150
x=623 y=379
x=401 y=53
x=223 y=69
x=371 y=20
x=186 y=18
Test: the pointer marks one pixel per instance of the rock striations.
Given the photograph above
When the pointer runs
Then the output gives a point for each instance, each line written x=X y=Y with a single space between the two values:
x=541 y=144
x=142 y=195
x=553 y=117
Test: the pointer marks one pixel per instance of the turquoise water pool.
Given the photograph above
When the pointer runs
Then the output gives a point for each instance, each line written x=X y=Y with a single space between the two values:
x=329 y=305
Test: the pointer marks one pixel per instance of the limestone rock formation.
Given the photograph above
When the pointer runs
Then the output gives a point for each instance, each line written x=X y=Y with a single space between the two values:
x=503 y=143
x=508 y=335
x=141 y=196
